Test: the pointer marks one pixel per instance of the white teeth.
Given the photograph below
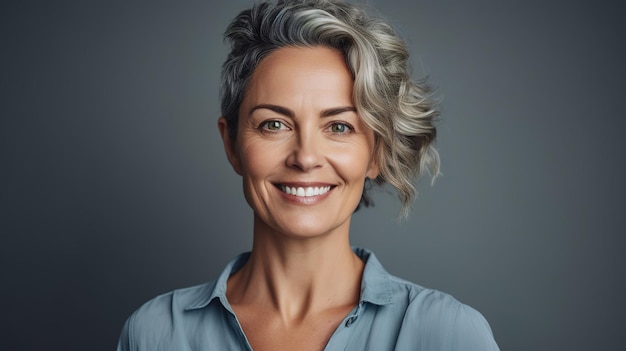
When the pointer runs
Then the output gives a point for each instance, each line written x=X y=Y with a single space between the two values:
x=308 y=191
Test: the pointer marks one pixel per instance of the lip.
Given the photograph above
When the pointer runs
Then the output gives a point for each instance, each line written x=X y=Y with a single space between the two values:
x=304 y=200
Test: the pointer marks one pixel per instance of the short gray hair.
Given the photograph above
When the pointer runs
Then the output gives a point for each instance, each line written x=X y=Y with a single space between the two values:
x=400 y=110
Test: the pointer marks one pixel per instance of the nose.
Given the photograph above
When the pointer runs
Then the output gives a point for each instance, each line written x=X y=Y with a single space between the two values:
x=306 y=153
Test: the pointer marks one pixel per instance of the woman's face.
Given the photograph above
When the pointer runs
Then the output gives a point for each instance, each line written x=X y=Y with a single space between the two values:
x=301 y=148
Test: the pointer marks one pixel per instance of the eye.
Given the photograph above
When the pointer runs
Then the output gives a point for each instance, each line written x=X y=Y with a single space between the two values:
x=272 y=125
x=340 y=128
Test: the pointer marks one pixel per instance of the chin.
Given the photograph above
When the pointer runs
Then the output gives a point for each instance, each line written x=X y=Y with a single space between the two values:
x=309 y=227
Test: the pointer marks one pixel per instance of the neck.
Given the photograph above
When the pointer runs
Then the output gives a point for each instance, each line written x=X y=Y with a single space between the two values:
x=298 y=276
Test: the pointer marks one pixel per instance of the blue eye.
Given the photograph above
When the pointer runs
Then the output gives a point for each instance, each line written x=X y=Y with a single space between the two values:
x=340 y=128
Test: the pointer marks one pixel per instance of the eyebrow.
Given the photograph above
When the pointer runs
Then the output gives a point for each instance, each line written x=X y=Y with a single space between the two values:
x=288 y=113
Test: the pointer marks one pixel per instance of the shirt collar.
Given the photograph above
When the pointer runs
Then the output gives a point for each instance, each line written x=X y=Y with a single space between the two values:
x=375 y=284
x=217 y=290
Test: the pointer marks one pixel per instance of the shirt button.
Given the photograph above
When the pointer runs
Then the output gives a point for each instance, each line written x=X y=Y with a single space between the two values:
x=349 y=321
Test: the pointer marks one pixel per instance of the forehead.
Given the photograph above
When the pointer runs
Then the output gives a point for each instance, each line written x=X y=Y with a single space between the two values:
x=289 y=73
x=299 y=56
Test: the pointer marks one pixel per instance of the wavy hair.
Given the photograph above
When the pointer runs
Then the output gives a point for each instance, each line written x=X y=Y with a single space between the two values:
x=400 y=111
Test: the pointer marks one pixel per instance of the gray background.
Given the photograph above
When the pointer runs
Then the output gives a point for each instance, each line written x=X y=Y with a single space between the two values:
x=114 y=186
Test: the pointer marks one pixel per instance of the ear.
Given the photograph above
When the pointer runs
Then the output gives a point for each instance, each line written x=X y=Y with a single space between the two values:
x=229 y=145
x=373 y=170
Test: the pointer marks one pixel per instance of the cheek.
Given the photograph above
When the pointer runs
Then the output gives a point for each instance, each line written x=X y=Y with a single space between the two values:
x=257 y=159
x=255 y=168
x=353 y=165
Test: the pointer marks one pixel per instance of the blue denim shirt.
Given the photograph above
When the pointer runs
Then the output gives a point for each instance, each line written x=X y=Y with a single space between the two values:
x=392 y=314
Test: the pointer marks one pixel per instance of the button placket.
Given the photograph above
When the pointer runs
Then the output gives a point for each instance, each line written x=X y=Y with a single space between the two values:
x=351 y=319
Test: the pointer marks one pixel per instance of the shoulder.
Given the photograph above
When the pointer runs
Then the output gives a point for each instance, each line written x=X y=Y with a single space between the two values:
x=160 y=311
x=440 y=321
x=152 y=324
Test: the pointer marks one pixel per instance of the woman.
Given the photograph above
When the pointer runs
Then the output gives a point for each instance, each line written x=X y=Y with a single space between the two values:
x=316 y=101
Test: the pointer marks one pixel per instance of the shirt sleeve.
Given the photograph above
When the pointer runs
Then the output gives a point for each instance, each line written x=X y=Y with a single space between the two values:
x=124 y=342
x=151 y=327
x=471 y=331
x=437 y=321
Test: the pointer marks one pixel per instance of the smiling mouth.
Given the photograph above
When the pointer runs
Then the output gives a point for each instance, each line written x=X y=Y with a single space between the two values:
x=304 y=191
